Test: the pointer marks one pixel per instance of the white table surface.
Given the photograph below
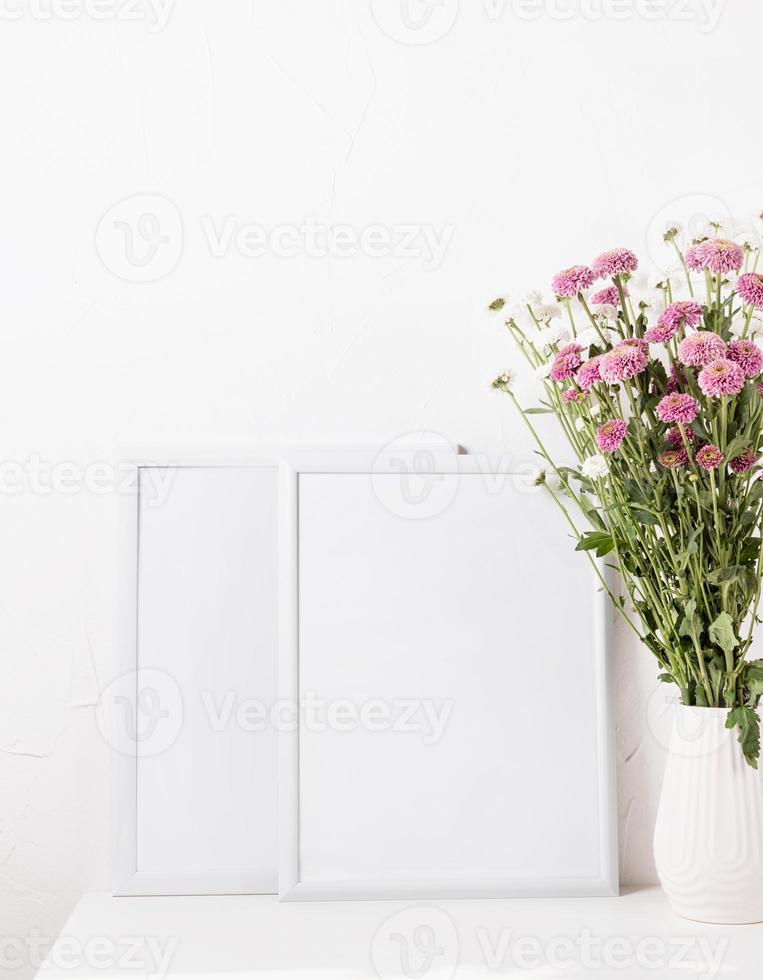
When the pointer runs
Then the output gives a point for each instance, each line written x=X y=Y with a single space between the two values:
x=635 y=935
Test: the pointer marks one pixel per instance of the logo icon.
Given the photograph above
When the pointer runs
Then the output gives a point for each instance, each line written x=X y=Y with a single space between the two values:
x=683 y=732
x=416 y=943
x=406 y=480
x=694 y=215
x=415 y=21
x=140 y=239
x=141 y=713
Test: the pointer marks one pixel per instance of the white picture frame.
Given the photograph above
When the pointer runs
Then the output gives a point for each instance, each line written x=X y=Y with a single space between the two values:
x=305 y=824
x=128 y=877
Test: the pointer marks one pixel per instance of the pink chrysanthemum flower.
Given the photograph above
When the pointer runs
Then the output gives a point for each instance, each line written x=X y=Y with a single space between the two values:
x=610 y=435
x=674 y=438
x=718 y=255
x=672 y=458
x=721 y=377
x=677 y=408
x=588 y=374
x=750 y=289
x=744 y=462
x=684 y=313
x=759 y=387
x=607 y=297
x=566 y=363
x=709 y=457
x=624 y=361
x=615 y=262
x=569 y=282
x=693 y=258
x=747 y=355
x=701 y=348
x=658 y=334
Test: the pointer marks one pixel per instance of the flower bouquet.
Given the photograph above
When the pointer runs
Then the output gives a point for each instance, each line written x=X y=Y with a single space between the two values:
x=661 y=401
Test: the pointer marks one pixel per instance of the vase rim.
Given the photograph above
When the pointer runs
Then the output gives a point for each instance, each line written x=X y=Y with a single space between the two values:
x=700 y=709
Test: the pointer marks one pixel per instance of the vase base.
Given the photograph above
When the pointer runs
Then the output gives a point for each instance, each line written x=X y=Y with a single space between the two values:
x=719 y=918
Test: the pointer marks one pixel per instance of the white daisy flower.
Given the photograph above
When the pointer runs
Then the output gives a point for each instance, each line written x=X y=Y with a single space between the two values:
x=505 y=380
x=549 y=335
x=543 y=370
x=547 y=311
x=587 y=337
x=607 y=312
x=650 y=298
x=659 y=280
x=533 y=298
x=580 y=424
x=595 y=466
x=673 y=229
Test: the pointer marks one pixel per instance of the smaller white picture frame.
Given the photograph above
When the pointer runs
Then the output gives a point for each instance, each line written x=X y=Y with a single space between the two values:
x=141 y=788
x=133 y=784
x=339 y=834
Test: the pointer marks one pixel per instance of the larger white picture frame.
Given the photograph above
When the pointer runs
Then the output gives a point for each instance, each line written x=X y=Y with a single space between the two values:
x=449 y=584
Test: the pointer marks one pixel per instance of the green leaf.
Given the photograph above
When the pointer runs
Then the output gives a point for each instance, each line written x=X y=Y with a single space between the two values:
x=722 y=634
x=600 y=541
x=691 y=625
x=539 y=411
x=732 y=573
x=748 y=722
x=645 y=518
x=751 y=550
x=752 y=677
x=691 y=547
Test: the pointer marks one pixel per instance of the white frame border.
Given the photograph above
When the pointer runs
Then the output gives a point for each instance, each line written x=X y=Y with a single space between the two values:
x=291 y=889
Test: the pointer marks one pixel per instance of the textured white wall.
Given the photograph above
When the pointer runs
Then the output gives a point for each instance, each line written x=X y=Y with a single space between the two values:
x=528 y=138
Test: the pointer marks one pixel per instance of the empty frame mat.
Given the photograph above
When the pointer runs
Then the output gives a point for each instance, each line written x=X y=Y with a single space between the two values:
x=206 y=780
x=448 y=653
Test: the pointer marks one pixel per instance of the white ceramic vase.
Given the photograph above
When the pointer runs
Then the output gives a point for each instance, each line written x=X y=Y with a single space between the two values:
x=708 y=841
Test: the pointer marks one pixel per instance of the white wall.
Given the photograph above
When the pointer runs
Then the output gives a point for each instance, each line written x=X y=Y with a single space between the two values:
x=533 y=140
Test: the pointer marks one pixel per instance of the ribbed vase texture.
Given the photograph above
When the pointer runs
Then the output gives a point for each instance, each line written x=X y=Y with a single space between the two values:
x=708 y=840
